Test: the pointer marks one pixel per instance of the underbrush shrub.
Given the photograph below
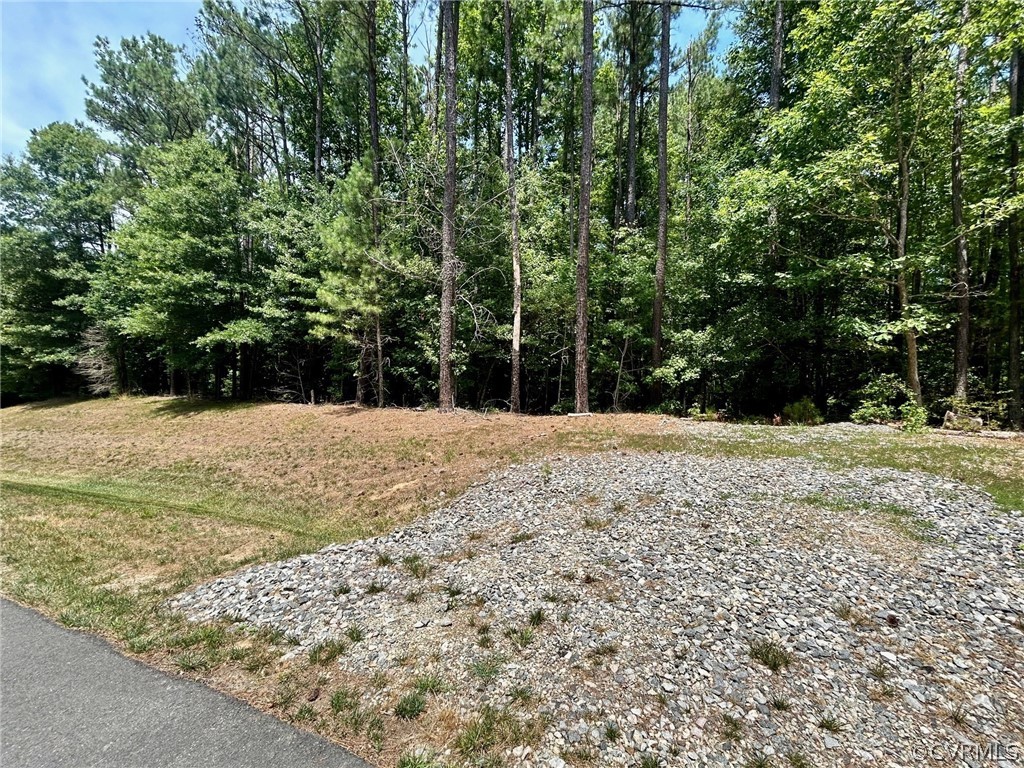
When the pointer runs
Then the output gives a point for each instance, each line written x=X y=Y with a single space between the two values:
x=888 y=399
x=803 y=411
x=914 y=417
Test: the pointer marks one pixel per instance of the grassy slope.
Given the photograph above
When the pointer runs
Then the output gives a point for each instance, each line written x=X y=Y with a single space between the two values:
x=110 y=506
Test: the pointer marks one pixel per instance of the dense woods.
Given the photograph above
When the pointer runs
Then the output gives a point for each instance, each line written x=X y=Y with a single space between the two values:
x=811 y=207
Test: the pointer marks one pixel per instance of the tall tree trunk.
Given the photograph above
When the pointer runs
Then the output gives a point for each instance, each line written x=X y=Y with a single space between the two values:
x=381 y=394
x=961 y=287
x=538 y=92
x=777 y=46
x=660 y=264
x=1013 y=249
x=404 y=11
x=619 y=177
x=631 y=133
x=438 y=73
x=688 y=174
x=371 y=76
x=513 y=213
x=909 y=332
x=583 y=259
x=361 y=375
x=448 y=262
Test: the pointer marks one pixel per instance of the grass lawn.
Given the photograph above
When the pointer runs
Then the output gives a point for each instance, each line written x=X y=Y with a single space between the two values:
x=111 y=506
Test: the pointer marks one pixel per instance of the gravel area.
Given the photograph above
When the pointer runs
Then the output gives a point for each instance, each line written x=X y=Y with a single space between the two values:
x=633 y=601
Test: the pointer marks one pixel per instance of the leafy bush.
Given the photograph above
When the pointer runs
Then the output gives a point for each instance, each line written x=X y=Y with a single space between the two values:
x=880 y=400
x=803 y=411
x=913 y=416
x=695 y=413
x=888 y=399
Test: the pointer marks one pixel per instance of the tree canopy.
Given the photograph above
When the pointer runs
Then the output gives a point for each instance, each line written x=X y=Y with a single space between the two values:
x=579 y=207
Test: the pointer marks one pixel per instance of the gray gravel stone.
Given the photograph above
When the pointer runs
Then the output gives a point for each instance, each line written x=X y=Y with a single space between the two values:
x=898 y=597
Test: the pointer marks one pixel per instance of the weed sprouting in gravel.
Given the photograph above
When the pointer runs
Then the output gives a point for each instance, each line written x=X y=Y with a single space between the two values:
x=551 y=597
x=342 y=589
x=882 y=692
x=537 y=617
x=780 y=703
x=732 y=727
x=411 y=706
x=379 y=681
x=650 y=761
x=430 y=682
x=848 y=613
x=605 y=649
x=596 y=523
x=454 y=589
x=304 y=714
x=413 y=596
x=758 y=760
x=522 y=537
x=579 y=755
x=830 y=723
x=797 y=760
x=879 y=671
x=612 y=733
x=485 y=641
x=520 y=637
x=475 y=535
x=416 y=566
x=374 y=588
x=384 y=559
x=355 y=633
x=522 y=695
x=493 y=730
x=771 y=654
x=488 y=667
x=327 y=651
x=958 y=714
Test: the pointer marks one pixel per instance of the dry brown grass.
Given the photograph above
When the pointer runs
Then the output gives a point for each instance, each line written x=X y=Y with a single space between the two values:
x=111 y=506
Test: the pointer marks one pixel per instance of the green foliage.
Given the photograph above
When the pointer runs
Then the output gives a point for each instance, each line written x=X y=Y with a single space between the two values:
x=803 y=411
x=881 y=400
x=914 y=417
x=239 y=238
x=58 y=203
x=411 y=706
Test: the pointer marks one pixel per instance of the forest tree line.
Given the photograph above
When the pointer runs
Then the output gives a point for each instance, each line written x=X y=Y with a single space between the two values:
x=555 y=207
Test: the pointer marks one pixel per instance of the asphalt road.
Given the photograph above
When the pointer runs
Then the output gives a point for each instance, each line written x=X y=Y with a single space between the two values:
x=69 y=700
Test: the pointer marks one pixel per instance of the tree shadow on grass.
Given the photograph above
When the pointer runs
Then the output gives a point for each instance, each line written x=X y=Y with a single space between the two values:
x=46 y=405
x=175 y=407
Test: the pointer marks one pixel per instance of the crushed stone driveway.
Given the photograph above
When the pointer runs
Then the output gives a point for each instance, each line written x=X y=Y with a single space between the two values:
x=69 y=699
